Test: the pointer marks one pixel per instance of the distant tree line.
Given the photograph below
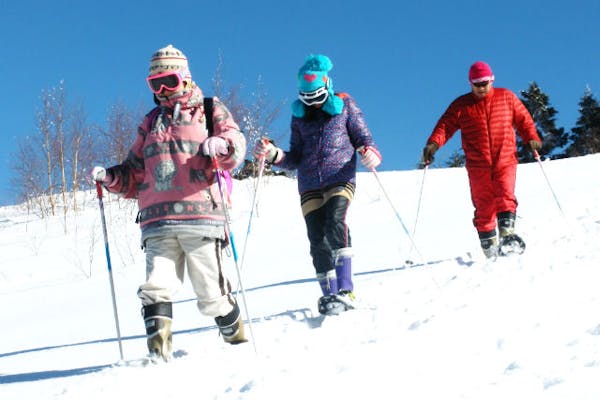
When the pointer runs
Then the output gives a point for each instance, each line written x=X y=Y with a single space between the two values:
x=583 y=138
x=53 y=163
x=48 y=166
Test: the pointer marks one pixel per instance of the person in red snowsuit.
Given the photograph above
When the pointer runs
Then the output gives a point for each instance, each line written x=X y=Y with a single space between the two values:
x=487 y=118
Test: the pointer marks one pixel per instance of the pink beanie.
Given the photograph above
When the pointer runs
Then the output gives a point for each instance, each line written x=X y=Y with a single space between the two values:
x=480 y=72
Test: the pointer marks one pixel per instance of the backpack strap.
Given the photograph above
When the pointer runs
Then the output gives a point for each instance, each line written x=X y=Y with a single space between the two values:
x=208 y=114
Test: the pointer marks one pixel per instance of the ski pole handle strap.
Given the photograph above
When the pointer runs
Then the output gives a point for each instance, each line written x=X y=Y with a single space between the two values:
x=99 y=189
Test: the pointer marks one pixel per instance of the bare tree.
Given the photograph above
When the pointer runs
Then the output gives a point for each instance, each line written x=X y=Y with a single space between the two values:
x=81 y=149
x=45 y=130
x=230 y=96
x=28 y=177
x=255 y=116
x=121 y=127
x=64 y=138
x=261 y=114
x=57 y=110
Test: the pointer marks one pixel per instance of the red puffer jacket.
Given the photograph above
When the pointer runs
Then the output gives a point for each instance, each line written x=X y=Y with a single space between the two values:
x=487 y=127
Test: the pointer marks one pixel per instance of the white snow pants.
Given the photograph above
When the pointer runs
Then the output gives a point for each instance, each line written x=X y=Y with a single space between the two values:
x=166 y=258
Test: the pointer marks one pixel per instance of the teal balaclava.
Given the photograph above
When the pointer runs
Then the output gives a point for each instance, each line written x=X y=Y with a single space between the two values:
x=312 y=76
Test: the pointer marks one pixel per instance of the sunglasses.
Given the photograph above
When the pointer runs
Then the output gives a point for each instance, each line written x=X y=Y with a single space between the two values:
x=318 y=96
x=480 y=84
x=166 y=80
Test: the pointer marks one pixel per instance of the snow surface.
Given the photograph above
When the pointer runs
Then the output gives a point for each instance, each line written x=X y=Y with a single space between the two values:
x=451 y=326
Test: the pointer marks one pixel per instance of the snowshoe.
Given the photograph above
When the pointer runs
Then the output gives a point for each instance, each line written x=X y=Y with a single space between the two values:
x=331 y=305
x=347 y=298
x=511 y=244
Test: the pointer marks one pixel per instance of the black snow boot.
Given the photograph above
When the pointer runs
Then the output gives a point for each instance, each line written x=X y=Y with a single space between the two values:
x=157 y=319
x=489 y=243
x=510 y=242
x=506 y=223
x=231 y=326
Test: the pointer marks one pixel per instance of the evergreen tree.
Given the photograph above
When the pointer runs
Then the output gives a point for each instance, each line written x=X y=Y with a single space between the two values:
x=585 y=136
x=544 y=115
x=456 y=159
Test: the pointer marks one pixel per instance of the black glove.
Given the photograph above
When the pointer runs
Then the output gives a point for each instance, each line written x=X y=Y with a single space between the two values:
x=428 y=152
x=535 y=145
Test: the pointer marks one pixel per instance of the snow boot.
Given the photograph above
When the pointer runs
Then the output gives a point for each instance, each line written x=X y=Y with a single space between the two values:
x=489 y=244
x=510 y=243
x=506 y=223
x=343 y=268
x=343 y=271
x=328 y=282
x=231 y=326
x=329 y=303
x=157 y=319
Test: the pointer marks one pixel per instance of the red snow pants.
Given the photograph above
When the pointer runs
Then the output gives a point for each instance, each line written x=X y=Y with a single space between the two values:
x=492 y=192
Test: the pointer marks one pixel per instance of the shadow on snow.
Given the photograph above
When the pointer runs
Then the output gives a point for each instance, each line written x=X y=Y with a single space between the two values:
x=37 y=376
x=301 y=315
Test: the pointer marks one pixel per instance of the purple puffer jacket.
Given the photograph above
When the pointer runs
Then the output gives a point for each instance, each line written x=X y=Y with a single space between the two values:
x=323 y=150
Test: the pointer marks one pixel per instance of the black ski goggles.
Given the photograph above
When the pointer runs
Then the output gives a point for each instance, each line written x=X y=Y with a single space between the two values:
x=481 y=84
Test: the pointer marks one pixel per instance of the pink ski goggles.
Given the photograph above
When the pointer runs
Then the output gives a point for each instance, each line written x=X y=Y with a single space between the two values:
x=166 y=80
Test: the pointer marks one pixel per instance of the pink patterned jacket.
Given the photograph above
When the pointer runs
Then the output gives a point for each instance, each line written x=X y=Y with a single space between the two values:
x=166 y=170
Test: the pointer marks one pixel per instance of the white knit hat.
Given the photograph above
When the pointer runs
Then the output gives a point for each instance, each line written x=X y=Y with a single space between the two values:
x=169 y=59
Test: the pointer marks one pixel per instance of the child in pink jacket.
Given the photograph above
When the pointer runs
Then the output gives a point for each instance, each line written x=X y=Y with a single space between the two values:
x=170 y=171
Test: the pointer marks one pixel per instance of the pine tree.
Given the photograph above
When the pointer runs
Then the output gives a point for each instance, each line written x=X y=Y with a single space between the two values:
x=585 y=136
x=553 y=139
x=456 y=159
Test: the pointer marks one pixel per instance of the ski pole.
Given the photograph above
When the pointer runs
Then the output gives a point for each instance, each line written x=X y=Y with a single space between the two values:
x=537 y=158
x=233 y=248
x=374 y=171
x=254 y=198
x=110 y=274
x=418 y=207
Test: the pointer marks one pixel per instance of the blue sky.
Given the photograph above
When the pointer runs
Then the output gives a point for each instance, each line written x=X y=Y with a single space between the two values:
x=403 y=63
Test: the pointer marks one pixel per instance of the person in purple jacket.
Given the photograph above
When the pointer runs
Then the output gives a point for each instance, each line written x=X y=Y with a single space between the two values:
x=327 y=131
